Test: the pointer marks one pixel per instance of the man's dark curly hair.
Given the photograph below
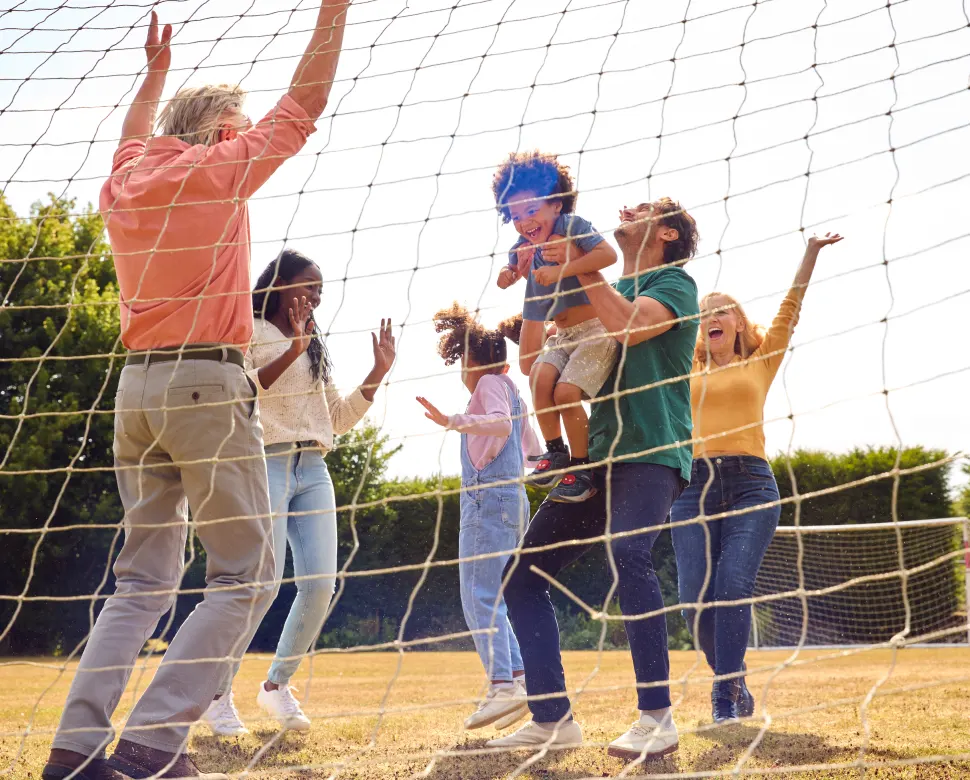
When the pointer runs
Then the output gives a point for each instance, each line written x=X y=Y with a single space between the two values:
x=535 y=172
x=675 y=216
x=461 y=332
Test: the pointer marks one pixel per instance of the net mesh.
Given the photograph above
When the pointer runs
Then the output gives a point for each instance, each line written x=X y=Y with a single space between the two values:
x=765 y=119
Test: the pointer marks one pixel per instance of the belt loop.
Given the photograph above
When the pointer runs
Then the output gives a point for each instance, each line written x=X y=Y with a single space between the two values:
x=148 y=360
x=225 y=355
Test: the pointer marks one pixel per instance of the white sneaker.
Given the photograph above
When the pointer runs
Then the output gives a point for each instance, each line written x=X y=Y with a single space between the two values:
x=567 y=734
x=516 y=715
x=222 y=718
x=500 y=704
x=282 y=705
x=647 y=739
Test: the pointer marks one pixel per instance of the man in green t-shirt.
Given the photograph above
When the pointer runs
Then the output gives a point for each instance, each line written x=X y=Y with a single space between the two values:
x=640 y=432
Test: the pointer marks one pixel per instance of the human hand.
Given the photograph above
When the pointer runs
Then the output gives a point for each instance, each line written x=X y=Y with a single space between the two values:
x=548 y=275
x=158 y=52
x=815 y=243
x=507 y=277
x=433 y=413
x=559 y=250
x=300 y=313
x=385 y=349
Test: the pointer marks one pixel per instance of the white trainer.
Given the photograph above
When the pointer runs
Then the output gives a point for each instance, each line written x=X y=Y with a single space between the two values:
x=516 y=715
x=222 y=718
x=282 y=705
x=567 y=734
x=499 y=703
x=646 y=739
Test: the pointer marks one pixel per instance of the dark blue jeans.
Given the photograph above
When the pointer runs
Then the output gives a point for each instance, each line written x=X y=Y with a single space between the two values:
x=640 y=498
x=737 y=547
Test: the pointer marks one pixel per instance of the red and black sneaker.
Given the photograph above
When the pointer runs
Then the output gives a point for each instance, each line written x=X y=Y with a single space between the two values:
x=546 y=464
x=574 y=488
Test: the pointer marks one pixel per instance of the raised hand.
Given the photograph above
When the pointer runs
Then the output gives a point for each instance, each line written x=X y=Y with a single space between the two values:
x=158 y=51
x=300 y=313
x=433 y=413
x=558 y=250
x=507 y=277
x=817 y=243
x=385 y=349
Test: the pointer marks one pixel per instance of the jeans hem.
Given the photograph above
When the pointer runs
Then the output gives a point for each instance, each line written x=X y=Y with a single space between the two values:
x=656 y=700
x=279 y=679
x=551 y=715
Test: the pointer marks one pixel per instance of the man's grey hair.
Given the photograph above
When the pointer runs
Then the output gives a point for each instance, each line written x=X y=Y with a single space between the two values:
x=196 y=114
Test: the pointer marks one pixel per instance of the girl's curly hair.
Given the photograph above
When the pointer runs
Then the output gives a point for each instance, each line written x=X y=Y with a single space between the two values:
x=462 y=334
x=535 y=172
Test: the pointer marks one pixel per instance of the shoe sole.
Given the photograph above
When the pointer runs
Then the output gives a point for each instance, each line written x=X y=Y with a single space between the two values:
x=499 y=717
x=216 y=733
x=512 y=718
x=138 y=772
x=633 y=755
x=574 y=499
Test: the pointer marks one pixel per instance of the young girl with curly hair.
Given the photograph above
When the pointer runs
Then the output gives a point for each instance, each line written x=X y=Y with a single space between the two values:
x=496 y=438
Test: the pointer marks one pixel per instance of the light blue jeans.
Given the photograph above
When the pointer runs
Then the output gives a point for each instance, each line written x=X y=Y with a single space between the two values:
x=304 y=513
x=491 y=520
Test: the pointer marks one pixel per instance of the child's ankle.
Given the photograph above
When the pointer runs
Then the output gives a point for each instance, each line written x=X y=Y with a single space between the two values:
x=575 y=461
x=556 y=445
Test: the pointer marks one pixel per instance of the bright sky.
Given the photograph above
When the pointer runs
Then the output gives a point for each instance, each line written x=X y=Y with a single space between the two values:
x=396 y=182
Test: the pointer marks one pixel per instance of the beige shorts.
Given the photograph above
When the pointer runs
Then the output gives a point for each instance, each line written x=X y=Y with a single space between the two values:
x=584 y=355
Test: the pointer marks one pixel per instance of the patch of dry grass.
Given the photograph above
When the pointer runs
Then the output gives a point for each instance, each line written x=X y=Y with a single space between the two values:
x=813 y=708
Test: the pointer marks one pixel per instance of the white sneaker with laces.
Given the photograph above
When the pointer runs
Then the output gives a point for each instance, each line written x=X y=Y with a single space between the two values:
x=520 y=712
x=222 y=718
x=532 y=734
x=499 y=702
x=282 y=705
x=646 y=739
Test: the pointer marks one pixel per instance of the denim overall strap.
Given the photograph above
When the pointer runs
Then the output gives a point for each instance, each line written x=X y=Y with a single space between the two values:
x=509 y=463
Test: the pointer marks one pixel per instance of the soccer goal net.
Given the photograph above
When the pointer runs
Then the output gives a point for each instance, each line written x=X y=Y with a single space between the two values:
x=768 y=121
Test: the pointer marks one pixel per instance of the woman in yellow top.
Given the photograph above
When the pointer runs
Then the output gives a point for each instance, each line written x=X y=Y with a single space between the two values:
x=734 y=365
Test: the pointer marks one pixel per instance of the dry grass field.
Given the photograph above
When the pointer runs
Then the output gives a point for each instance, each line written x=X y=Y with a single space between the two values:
x=918 y=724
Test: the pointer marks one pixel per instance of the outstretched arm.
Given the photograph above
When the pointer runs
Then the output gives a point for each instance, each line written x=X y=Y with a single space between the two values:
x=140 y=118
x=807 y=267
x=314 y=76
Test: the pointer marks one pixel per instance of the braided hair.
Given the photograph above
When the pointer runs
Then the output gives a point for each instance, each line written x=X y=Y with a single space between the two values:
x=267 y=301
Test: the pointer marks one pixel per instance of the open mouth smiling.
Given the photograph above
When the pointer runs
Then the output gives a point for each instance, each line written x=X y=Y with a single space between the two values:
x=714 y=333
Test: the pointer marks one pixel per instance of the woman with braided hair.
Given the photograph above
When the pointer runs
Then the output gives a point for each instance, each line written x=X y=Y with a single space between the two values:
x=496 y=439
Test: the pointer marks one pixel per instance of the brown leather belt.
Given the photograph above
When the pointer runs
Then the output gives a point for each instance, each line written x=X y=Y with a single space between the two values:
x=216 y=352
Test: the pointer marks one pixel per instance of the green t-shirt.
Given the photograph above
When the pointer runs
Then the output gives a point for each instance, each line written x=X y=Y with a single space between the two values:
x=660 y=414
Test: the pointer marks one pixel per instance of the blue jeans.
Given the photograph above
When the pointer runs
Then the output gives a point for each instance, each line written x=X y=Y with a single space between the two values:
x=303 y=504
x=737 y=546
x=491 y=519
x=639 y=500
x=305 y=514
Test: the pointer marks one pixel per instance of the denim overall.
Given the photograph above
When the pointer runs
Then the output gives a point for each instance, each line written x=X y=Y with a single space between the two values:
x=493 y=519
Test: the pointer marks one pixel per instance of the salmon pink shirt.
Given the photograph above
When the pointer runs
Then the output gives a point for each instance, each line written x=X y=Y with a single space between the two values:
x=178 y=220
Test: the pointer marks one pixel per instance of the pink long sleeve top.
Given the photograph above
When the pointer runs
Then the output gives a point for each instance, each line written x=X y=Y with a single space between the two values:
x=488 y=421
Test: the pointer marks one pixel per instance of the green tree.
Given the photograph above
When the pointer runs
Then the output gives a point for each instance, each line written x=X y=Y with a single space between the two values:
x=58 y=324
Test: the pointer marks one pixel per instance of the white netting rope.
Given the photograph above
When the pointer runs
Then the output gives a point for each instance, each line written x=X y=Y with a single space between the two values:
x=887 y=559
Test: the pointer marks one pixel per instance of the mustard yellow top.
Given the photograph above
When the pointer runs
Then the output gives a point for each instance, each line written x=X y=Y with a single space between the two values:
x=728 y=402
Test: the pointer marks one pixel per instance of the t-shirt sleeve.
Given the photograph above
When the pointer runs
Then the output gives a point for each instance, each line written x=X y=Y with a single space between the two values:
x=583 y=234
x=675 y=289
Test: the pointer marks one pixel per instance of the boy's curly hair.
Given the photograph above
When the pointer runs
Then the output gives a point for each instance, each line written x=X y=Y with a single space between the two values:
x=460 y=331
x=535 y=172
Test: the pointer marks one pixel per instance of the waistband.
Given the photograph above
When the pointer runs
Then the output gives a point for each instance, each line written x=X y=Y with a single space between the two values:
x=731 y=463
x=590 y=324
x=220 y=353
x=282 y=447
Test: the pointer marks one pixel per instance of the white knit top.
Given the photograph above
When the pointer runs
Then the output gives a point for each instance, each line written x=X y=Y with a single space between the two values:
x=298 y=407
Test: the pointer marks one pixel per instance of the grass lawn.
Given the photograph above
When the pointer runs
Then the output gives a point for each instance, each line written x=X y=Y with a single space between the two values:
x=921 y=714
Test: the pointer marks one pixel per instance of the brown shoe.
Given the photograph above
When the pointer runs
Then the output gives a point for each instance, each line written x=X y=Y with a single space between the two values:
x=139 y=763
x=64 y=765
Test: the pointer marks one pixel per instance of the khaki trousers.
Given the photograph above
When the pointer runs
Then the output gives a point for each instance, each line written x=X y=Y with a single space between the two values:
x=187 y=435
